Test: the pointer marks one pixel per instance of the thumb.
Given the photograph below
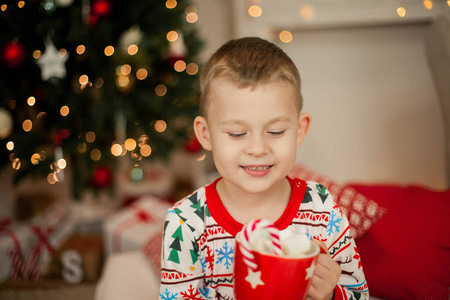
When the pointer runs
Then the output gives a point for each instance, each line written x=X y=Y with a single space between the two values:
x=322 y=246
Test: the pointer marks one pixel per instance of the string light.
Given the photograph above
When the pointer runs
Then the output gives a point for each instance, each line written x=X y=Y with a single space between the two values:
x=35 y=158
x=192 y=68
x=27 y=125
x=145 y=150
x=401 y=11
x=255 y=11
x=141 y=74
x=31 y=101
x=132 y=49
x=179 y=66
x=51 y=178
x=125 y=69
x=96 y=155
x=80 y=49
x=136 y=156
x=286 y=36
x=90 y=137
x=81 y=147
x=160 y=90
x=130 y=144
x=143 y=140
x=122 y=81
x=83 y=80
x=62 y=163
x=16 y=164
x=21 y=4
x=116 y=149
x=171 y=4
x=160 y=126
x=3 y=7
x=428 y=4
x=62 y=52
x=109 y=50
x=36 y=54
x=191 y=17
x=307 y=12
x=64 y=111
x=172 y=36
x=10 y=145
x=42 y=155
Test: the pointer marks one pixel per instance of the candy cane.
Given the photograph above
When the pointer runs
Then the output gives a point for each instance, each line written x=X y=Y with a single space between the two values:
x=245 y=247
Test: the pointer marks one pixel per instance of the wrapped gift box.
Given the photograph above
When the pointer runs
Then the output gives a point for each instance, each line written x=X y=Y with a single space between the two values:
x=26 y=249
x=131 y=227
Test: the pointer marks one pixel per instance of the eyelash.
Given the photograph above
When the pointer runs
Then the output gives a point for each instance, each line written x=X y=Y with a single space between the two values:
x=236 y=135
x=273 y=133
x=277 y=133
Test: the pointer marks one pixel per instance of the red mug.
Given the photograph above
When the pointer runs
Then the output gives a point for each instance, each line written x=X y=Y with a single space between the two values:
x=276 y=277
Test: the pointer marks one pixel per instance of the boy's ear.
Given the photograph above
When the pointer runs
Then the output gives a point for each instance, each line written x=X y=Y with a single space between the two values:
x=303 y=126
x=202 y=132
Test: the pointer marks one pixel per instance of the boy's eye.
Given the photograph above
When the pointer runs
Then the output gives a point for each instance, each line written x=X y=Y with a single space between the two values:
x=277 y=133
x=236 y=135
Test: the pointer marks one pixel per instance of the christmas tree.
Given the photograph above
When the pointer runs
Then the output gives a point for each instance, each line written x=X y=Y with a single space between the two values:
x=85 y=83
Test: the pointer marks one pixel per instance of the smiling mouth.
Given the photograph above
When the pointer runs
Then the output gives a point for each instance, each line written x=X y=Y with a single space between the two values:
x=259 y=168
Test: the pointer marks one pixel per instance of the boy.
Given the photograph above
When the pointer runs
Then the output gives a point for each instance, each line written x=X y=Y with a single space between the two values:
x=252 y=122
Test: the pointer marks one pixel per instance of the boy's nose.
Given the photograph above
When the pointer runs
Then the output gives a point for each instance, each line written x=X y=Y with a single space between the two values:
x=257 y=146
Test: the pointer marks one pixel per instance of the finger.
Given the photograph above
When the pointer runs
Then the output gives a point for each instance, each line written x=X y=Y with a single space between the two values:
x=322 y=246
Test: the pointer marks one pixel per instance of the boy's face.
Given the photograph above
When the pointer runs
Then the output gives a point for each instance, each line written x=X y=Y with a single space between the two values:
x=253 y=134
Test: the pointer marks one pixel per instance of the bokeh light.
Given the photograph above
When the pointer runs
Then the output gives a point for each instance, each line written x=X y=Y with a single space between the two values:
x=172 y=36
x=80 y=49
x=96 y=155
x=192 y=68
x=160 y=126
x=146 y=150
x=255 y=11
x=141 y=74
x=64 y=111
x=160 y=90
x=171 y=4
x=286 y=36
x=132 y=49
x=109 y=50
x=27 y=125
x=401 y=11
x=179 y=66
x=130 y=144
x=31 y=101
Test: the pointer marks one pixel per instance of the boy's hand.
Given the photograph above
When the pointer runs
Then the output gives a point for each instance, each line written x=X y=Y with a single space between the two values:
x=325 y=276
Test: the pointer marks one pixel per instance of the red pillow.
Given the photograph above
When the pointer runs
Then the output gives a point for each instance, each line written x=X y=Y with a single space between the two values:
x=360 y=211
x=406 y=254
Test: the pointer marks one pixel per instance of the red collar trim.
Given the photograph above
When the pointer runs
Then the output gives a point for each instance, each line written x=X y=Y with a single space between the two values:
x=226 y=221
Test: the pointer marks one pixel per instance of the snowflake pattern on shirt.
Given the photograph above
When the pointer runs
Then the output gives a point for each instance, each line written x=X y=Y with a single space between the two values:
x=198 y=246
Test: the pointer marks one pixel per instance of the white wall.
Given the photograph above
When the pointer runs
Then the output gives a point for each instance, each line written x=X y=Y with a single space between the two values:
x=376 y=116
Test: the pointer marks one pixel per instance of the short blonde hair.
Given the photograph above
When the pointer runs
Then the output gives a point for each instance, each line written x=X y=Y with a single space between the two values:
x=247 y=62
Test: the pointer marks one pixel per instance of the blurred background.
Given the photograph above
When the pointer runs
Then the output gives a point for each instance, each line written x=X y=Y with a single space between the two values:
x=97 y=99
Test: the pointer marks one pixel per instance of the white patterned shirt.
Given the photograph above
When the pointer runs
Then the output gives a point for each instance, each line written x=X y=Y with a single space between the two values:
x=199 y=242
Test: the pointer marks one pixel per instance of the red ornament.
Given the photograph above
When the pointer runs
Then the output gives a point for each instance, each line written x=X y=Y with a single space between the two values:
x=13 y=54
x=61 y=135
x=193 y=145
x=102 y=177
x=101 y=8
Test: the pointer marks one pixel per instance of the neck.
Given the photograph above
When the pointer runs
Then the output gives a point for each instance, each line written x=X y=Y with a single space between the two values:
x=245 y=207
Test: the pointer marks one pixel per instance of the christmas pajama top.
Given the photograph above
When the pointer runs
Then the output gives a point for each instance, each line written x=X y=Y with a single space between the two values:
x=199 y=242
